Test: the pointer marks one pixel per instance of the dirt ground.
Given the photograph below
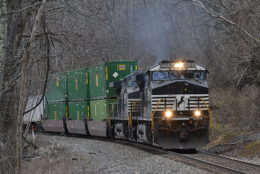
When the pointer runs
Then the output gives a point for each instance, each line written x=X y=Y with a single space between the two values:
x=59 y=155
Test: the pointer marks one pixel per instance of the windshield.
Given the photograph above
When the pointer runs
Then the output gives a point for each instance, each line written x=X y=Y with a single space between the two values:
x=163 y=75
x=171 y=75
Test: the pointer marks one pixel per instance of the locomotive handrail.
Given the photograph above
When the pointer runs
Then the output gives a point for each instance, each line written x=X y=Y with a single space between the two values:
x=152 y=123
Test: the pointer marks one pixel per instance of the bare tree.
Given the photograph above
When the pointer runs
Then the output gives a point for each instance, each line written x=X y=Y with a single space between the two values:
x=15 y=82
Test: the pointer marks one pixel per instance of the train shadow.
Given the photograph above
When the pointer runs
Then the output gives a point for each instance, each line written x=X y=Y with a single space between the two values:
x=184 y=151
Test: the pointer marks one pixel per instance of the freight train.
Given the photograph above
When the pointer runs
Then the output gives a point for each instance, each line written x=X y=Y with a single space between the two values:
x=165 y=106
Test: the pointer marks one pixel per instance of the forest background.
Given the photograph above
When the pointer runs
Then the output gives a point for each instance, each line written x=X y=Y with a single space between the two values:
x=38 y=38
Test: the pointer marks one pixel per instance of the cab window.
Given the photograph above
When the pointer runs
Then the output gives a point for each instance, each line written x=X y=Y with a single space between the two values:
x=171 y=75
x=197 y=75
x=163 y=75
x=160 y=75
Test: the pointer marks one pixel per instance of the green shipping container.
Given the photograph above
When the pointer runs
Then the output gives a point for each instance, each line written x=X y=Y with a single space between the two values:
x=103 y=109
x=78 y=85
x=101 y=75
x=57 y=88
x=56 y=110
x=79 y=110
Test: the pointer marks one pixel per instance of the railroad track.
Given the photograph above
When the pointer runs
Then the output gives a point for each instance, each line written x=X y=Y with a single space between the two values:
x=227 y=162
x=206 y=161
x=217 y=164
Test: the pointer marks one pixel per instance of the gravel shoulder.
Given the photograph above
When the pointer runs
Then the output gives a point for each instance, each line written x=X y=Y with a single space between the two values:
x=59 y=154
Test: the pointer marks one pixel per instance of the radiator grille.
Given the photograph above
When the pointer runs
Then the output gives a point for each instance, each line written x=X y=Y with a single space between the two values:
x=198 y=102
x=163 y=102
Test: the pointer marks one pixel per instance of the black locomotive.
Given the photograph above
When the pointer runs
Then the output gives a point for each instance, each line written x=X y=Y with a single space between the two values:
x=166 y=106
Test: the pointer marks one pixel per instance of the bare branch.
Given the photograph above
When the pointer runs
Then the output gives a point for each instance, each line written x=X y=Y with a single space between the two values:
x=200 y=4
x=25 y=8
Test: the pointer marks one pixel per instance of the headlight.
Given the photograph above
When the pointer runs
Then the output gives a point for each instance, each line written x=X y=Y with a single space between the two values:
x=168 y=114
x=197 y=113
x=179 y=65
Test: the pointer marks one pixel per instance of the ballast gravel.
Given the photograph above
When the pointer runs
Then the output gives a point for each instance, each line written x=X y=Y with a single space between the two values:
x=59 y=155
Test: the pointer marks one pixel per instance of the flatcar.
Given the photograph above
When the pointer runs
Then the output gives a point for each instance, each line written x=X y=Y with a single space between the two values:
x=165 y=106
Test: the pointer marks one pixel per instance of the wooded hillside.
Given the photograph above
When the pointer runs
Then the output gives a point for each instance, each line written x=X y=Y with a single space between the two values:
x=42 y=37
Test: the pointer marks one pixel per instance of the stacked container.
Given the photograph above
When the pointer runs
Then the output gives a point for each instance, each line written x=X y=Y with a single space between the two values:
x=56 y=97
x=78 y=94
x=81 y=101
x=102 y=97
x=56 y=102
x=78 y=101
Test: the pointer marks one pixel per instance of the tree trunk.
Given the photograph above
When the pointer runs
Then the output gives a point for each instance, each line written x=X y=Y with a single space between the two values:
x=24 y=87
x=14 y=89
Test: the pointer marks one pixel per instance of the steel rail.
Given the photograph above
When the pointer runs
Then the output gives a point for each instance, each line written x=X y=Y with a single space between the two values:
x=244 y=163
x=229 y=158
x=209 y=165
